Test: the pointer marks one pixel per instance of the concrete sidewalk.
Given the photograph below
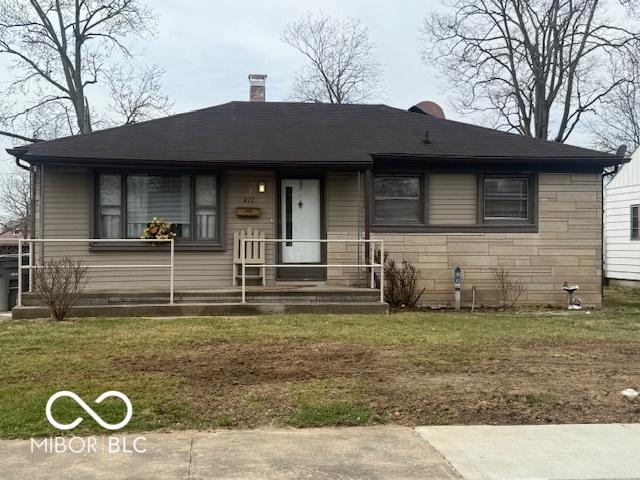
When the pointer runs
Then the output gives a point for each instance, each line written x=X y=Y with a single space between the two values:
x=554 y=452
x=323 y=454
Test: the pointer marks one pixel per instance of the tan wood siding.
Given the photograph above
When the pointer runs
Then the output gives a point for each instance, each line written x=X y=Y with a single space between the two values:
x=242 y=187
x=345 y=220
x=451 y=199
x=66 y=215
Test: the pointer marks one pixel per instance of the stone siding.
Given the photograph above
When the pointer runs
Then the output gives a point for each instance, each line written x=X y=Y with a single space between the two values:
x=567 y=247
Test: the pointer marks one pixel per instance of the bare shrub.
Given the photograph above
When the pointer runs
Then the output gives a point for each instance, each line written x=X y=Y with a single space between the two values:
x=58 y=283
x=400 y=282
x=509 y=290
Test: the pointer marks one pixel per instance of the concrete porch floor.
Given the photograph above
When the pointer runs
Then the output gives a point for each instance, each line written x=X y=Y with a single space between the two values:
x=298 y=292
x=276 y=299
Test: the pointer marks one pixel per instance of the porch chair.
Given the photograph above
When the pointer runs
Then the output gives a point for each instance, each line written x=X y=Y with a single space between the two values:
x=254 y=256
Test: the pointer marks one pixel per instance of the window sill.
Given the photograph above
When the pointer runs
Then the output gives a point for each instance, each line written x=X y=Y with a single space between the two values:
x=477 y=228
x=148 y=247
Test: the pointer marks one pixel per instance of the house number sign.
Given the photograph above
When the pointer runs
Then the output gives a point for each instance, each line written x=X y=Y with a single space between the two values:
x=248 y=212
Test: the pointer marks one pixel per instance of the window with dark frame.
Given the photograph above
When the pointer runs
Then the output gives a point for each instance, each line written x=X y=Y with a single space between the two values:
x=110 y=206
x=206 y=207
x=504 y=202
x=397 y=199
x=506 y=198
x=188 y=201
x=635 y=231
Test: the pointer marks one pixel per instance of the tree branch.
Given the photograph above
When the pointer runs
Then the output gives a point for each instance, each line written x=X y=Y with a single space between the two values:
x=20 y=137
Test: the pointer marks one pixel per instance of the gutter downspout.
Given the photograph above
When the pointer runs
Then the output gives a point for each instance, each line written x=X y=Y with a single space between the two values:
x=31 y=216
x=368 y=192
x=360 y=230
x=24 y=167
x=31 y=220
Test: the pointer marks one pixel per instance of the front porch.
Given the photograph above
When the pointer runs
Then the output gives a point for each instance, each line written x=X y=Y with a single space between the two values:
x=314 y=250
x=277 y=299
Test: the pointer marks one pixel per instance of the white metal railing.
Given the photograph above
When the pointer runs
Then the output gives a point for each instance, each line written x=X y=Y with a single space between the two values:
x=31 y=266
x=370 y=264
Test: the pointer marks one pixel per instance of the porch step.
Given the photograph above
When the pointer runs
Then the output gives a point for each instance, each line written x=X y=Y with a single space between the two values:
x=207 y=309
x=290 y=294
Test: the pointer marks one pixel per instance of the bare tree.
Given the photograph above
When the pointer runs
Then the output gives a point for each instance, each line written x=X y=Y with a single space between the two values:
x=340 y=62
x=59 y=49
x=15 y=198
x=137 y=96
x=617 y=120
x=535 y=66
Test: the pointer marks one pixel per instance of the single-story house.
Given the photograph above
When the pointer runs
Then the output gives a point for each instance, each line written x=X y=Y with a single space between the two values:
x=440 y=193
x=622 y=224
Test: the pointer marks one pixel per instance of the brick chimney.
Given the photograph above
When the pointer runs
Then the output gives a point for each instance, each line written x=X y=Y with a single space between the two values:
x=257 y=87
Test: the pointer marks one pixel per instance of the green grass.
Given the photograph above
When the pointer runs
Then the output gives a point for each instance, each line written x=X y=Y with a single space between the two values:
x=39 y=358
x=342 y=414
x=540 y=399
x=622 y=299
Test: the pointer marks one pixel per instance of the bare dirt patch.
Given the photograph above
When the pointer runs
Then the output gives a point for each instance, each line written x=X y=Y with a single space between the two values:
x=534 y=383
x=224 y=364
x=253 y=384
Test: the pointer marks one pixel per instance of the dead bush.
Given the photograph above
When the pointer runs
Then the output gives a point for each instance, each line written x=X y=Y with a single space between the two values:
x=58 y=283
x=400 y=282
x=508 y=290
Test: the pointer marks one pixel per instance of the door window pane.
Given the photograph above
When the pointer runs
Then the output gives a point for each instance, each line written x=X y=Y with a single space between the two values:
x=165 y=197
x=206 y=208
x=506 y=198
x=397 y=199
x=110 y=206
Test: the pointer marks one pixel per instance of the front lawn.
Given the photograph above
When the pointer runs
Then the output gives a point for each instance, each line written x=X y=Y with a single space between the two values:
x=316 y=370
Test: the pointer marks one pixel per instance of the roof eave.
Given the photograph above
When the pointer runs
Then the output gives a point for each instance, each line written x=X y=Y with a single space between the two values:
x=515 y=161
x=266 y=163
x=18 y=152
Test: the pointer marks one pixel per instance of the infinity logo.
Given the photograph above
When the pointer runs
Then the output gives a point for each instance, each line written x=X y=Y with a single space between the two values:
x=88 y=409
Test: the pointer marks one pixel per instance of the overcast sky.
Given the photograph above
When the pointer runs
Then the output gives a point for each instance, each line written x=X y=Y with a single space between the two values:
x=209 y=47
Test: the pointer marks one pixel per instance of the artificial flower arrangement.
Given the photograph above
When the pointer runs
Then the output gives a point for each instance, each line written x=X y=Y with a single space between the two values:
x=159 y=229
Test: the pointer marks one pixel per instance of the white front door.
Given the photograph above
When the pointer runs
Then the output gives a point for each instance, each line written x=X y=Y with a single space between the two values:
x=300 y=218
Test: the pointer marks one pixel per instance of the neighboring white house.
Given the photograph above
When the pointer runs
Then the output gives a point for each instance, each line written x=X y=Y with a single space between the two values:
x=622 y=236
